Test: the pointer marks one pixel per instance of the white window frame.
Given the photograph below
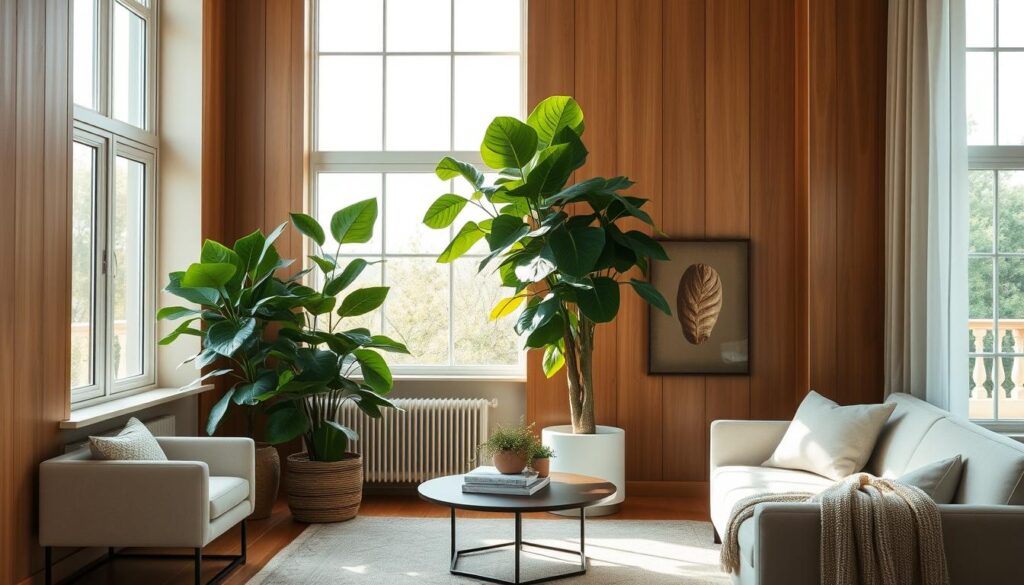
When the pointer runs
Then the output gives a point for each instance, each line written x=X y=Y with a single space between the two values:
x=385 y=162
x=993 y=157
x=114 y=138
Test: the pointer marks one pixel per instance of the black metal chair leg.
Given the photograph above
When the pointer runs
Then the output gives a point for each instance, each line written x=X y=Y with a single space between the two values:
x=718 y=539
x=49 y=565
x=244 y=545
x=199 y=566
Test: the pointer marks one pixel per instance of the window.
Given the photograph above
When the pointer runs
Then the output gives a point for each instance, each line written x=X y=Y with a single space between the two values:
x=113 y=187
x=994 y=83
x=399 y=84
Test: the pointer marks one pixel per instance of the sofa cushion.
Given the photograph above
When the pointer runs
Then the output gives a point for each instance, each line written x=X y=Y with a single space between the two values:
x=133 y=443
x=226 y=493
x=732 y=483
x=993 y=465
x=902 y=434
x=939 y=479
x=828 y=439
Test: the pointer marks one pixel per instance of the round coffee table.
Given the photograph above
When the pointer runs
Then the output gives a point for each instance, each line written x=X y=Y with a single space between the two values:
x=565 y=492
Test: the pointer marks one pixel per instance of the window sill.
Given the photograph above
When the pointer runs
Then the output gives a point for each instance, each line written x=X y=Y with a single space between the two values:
x=459 y=378
x=90 y=415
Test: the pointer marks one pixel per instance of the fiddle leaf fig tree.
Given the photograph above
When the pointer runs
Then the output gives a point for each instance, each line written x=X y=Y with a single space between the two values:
x=300 y=376
x=564 y=251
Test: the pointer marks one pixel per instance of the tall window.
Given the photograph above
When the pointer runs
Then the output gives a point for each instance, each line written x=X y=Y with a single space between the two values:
x=994 y=82
x=113 y=198
x=399 y=85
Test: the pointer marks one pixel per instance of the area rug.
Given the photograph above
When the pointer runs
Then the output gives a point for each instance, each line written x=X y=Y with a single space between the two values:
x=399 y=551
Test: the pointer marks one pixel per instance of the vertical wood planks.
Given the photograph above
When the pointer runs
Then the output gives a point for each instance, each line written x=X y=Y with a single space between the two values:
x=8 y=199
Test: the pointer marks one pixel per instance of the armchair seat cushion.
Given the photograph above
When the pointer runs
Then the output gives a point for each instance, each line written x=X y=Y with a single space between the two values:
x=732 y=483
x=226 y=493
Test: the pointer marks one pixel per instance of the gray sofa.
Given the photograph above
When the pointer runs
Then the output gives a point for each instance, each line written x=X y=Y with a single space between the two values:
x=983 y=529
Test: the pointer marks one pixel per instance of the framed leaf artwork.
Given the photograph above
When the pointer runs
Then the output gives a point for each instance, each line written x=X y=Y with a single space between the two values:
x=707 y=284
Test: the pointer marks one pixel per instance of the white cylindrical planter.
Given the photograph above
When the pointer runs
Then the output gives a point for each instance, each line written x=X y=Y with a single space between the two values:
x=601 y=455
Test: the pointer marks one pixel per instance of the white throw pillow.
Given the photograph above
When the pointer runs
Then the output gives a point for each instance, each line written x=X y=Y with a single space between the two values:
x=939 y=480
x=830 y=440
x=133 y=443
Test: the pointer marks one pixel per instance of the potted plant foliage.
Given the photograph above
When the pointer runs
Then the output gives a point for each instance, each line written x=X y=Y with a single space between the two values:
x=300 y=375
x=511 y=448
x=540 y=461
x=564 y=251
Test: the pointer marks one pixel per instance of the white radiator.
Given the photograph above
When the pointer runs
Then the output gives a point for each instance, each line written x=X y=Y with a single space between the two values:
x=161 y=426
x=429 y=438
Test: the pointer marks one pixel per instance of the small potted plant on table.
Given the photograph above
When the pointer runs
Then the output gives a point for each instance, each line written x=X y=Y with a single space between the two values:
x=511 y=448
x=541 y=459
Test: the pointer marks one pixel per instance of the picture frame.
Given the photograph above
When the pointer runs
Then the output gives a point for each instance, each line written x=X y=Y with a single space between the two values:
x=708 y=286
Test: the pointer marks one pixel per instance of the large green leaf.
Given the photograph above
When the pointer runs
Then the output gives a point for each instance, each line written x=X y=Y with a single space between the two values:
x=536 y=315
x=547 y=333
x=213 y=275
x=184 y=328
x=643 y=245
x=174 y=313
x=249 y=249
x=508 y=143
x=600 y=303
x=320 y=305
x=370 y=402
x=650 y=294
x=576 y=250
x=387 y=344
x=505 y=231
x=375 y=370
x=443 y=211
x=554 y=358
x=554 y=165
x=226 y=337
x=217 y=412
x=536 y=268
x=327 y=265
x=285 y=421
x=245 y=394
x=449 y=168
x=363 y=301
x=469 y=234
x=199 y=296
x=309 y=227
x=217 y=253
x=354 y=224
x=347 y=277
x=552 y=115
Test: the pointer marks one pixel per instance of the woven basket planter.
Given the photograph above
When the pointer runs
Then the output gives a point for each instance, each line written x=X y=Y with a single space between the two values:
x=324 y=491
x=268 y=480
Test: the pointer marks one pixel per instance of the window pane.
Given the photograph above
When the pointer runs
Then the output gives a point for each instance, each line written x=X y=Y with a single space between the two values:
x=1011 y=97
x=84 y=53
x=350 y=103
x=487 y=25
x=129 y=74
x=351 y=26
x=1011 y=211
x=126 y=265
x=418 y=103
x=416 y=310
x=980 y=23
x=1011 y=401
x=1011 y=288
x=980 y=386
x=474 y=110
x=419 y=25
x=337 y=190
x=980 y=95
x=981 y=189
x=407 y=196
x=979 y=278
x=478 y=340
x=1011 y=24
x=83 y=193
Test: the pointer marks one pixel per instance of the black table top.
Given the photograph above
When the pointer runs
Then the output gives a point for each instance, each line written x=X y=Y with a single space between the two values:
x=565 y=492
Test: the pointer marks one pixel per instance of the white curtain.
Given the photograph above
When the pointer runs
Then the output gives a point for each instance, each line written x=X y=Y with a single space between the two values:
x=926 y=205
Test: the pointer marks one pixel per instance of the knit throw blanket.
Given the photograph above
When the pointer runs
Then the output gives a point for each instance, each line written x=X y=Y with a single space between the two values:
x=873 y=531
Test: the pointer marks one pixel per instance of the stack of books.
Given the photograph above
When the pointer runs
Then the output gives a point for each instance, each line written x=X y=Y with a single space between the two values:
x=488 y=480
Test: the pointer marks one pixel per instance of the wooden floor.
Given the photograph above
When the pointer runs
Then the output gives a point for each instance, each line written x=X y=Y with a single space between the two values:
x=268 y=537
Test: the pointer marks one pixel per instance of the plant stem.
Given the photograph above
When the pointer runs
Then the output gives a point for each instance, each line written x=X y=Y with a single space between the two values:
x=578 y=362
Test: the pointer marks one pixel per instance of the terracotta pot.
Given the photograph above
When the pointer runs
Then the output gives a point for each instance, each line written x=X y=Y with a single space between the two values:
x=541 y=466
x=509 y=462
x=324 y=491
x=268 y=480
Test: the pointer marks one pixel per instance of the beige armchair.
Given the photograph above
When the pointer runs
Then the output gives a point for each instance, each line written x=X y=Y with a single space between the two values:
x=206 y=487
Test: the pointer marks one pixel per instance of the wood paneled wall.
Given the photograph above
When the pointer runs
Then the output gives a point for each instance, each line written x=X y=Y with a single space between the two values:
x=254 y=94
x=35 y=147
x=757 y=119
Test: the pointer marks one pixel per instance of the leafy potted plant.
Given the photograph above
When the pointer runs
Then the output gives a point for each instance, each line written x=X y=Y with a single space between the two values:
x=511 y=448
x=302 y=375
x=564 y=251
x=540 y=461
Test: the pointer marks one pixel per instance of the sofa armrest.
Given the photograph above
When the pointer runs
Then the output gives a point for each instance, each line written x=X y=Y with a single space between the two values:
x=228 y=456
x=123 y=503
x=981 y=542
x=744 y=442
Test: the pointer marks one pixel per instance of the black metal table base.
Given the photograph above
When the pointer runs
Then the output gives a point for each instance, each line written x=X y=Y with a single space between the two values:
x=518 y=545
